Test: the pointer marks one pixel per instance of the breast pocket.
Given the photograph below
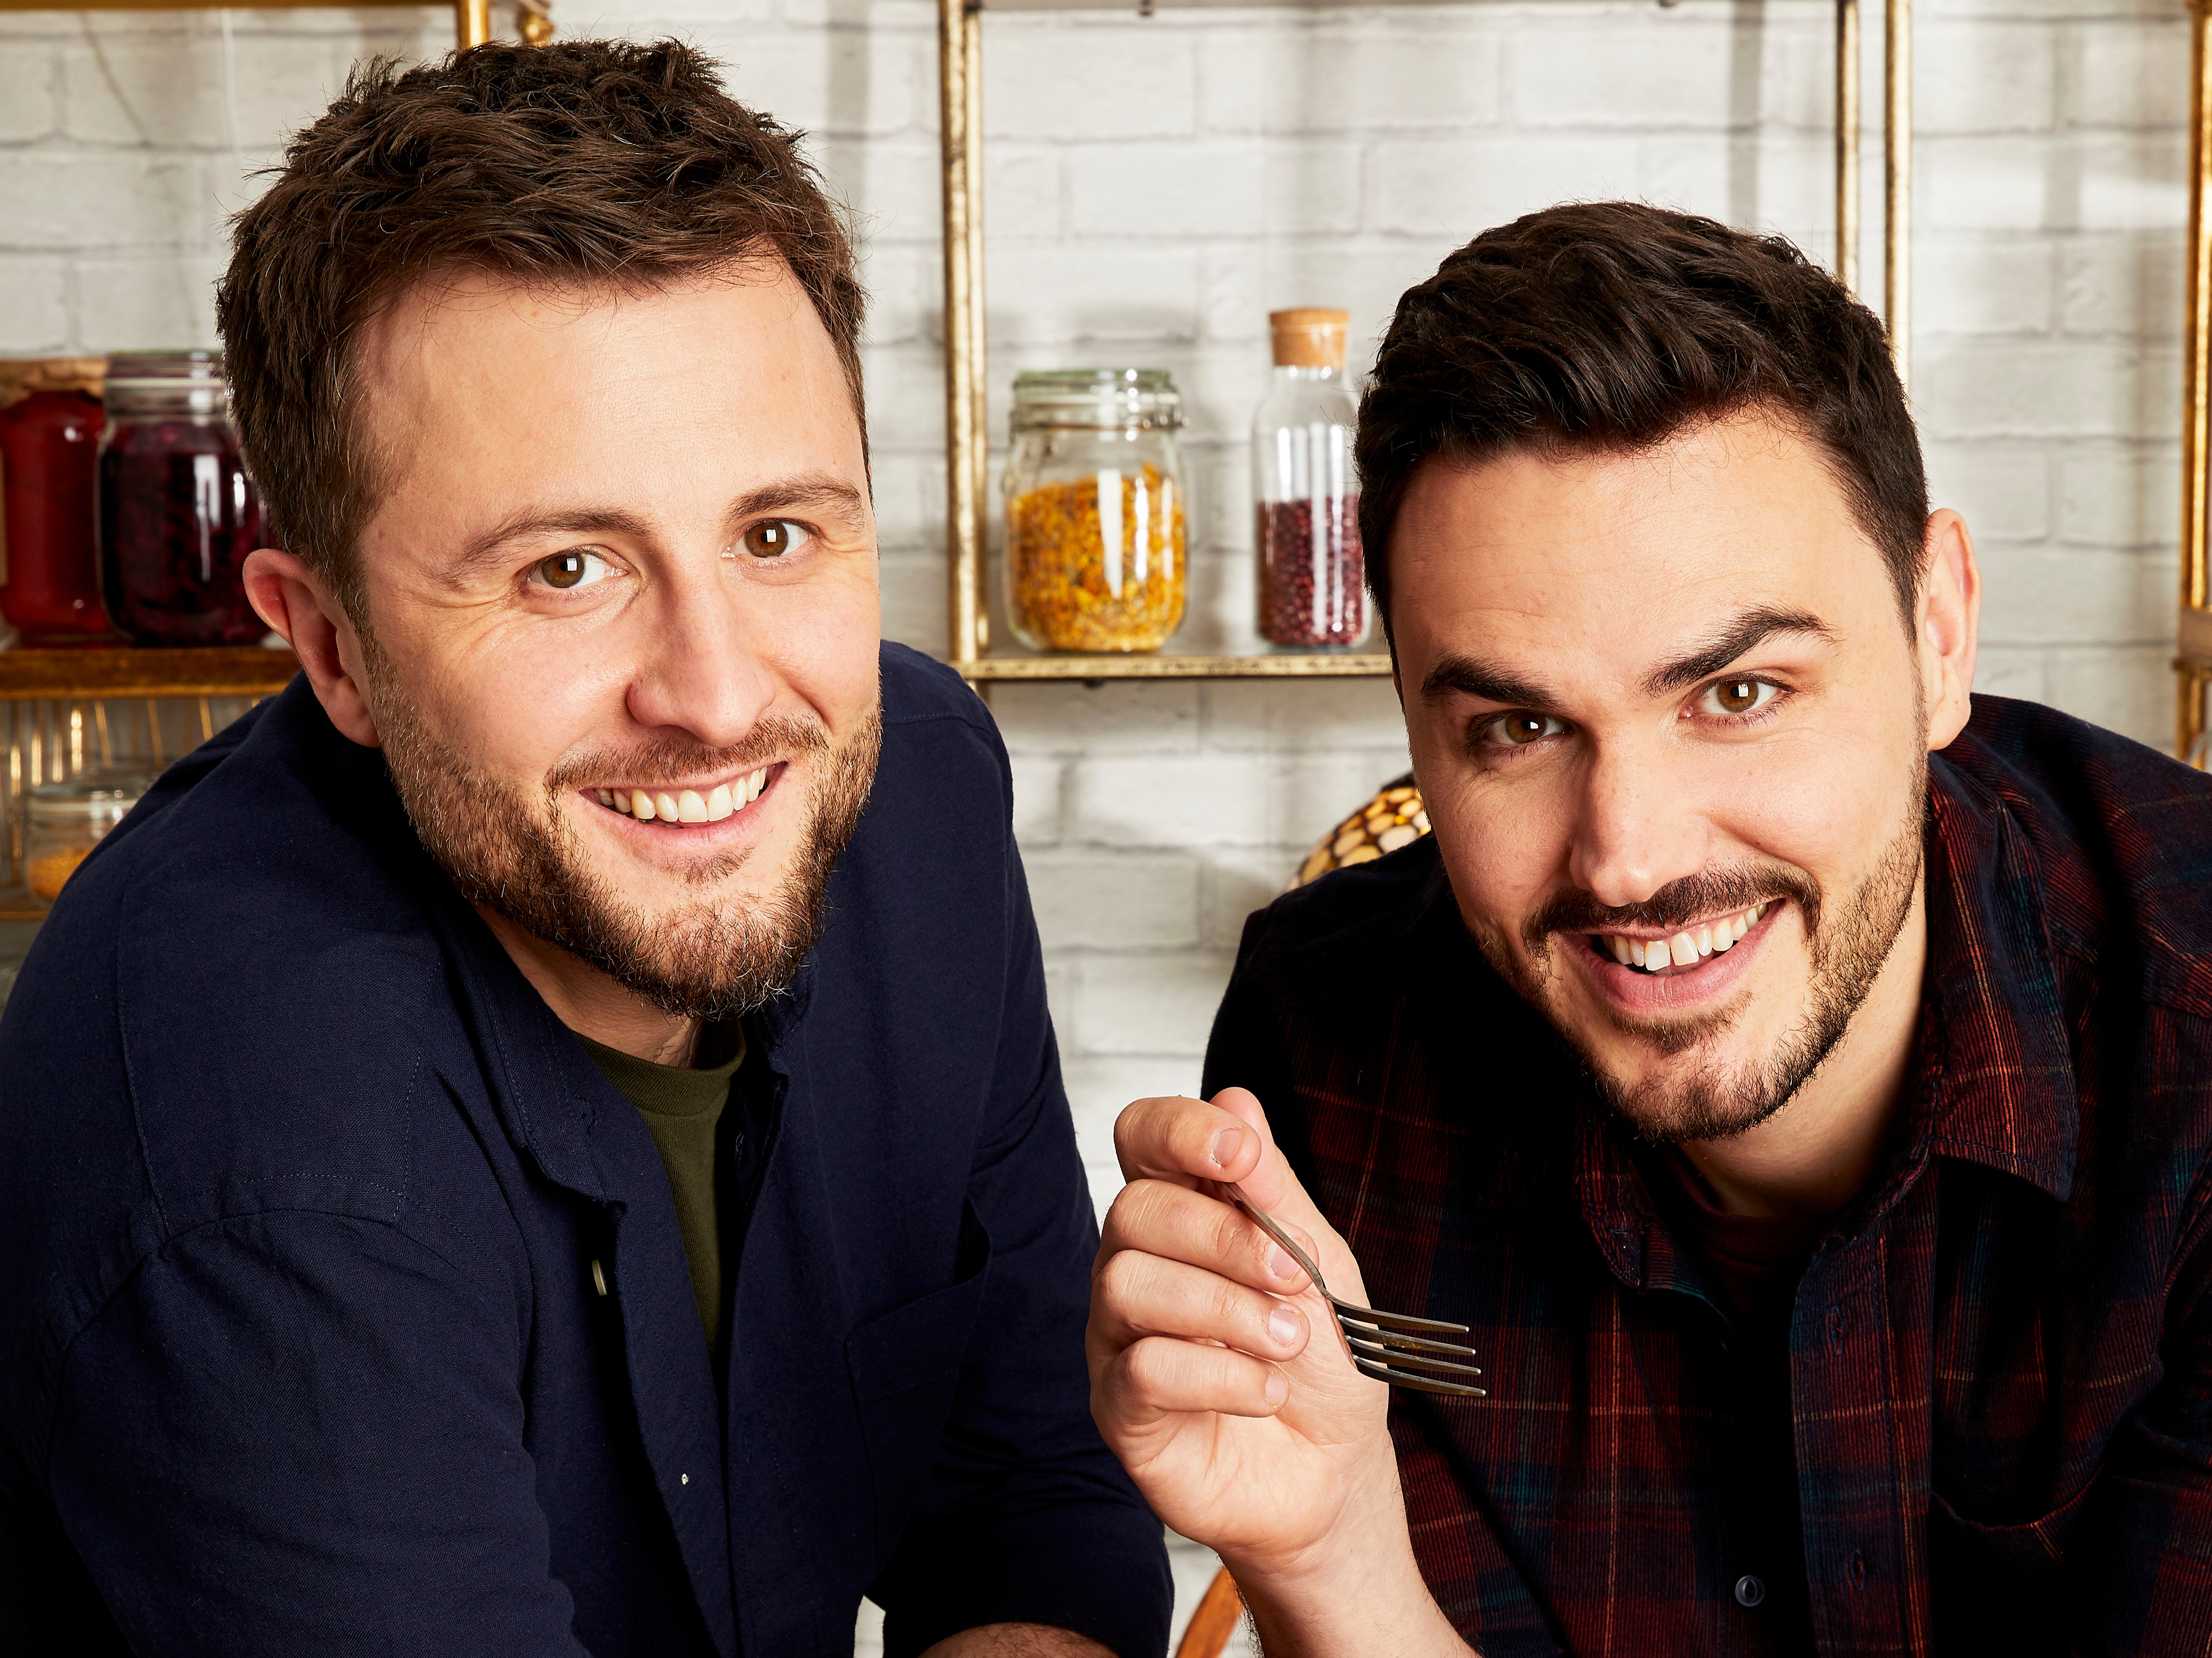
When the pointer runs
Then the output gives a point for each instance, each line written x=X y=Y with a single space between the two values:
x=905 y=1368
x=2001 y=1588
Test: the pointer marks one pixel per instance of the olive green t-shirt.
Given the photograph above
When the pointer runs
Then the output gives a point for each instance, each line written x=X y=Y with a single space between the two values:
x=683 y=1109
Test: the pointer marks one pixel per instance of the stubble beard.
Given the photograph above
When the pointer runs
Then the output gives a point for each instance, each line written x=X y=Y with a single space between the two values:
x=714 y=957
x=1852 y=943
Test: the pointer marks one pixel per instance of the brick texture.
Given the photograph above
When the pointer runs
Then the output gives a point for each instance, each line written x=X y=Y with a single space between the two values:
x=1155 y=186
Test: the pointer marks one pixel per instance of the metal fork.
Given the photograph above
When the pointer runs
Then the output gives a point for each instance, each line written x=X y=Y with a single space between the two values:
x=1382 y=1342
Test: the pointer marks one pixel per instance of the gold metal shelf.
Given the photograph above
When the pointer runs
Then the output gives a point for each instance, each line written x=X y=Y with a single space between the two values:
x=2193 y=634
x=967 y=450
x=471 y=18
x=1288 y=664
x=251 y=671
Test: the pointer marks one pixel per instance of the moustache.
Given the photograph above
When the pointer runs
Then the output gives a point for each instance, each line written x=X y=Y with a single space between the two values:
x=1674 y=906
x=668 y=758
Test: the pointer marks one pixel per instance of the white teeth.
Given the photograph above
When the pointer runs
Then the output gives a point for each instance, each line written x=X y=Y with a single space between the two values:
x=1683 y=948
x=691 y=807
x=1739 y=927
x=718 y=804
x=1639 y=952
x=641 y=805
x=1656 y=956
x=1704 y=941
x=603 y=797
x=1725 y=937
x=664 y=804
x=755 y=784
x=1620 y=949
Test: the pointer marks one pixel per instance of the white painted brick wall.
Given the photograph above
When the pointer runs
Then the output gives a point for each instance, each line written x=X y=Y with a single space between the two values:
x=1154 y=186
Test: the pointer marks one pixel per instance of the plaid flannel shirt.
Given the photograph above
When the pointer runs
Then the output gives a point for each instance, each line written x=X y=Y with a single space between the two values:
x=2000 y=1362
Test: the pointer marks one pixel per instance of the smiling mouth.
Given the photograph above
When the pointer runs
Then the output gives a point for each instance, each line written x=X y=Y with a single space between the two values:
x=1683 y=951
x=693 y=805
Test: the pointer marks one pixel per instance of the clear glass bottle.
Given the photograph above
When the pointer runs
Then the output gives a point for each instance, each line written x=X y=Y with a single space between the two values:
x=178 y=515
x=1307 y=517
x=66 y=821
x=1097 y=518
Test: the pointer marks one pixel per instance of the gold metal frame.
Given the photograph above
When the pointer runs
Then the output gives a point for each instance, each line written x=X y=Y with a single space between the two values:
x=2193 y=631
x=967 y=436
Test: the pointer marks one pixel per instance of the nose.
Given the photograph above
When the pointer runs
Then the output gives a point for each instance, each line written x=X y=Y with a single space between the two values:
x=1636 y=826
x=700 y=670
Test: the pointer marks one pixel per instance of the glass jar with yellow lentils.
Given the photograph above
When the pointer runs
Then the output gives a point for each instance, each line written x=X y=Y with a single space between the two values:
x=1096 y=522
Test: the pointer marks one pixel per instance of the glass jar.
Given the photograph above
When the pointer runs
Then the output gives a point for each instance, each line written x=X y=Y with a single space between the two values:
x=1307 y=530
x=178 y=515
x=50 y=423
x=66 y=821
x=1096 y=537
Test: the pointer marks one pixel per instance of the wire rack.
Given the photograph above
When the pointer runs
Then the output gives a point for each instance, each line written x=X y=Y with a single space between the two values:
x=56 y=739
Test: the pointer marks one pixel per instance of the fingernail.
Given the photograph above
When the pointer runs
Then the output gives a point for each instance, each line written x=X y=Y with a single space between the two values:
x=1280 y=1264
x=1283 y=1325
x=1279 y=1387
x=1226 y=1144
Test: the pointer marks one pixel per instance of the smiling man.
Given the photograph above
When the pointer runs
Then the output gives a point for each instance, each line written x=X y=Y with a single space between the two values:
x=1796 y=1072
x=545 y=1137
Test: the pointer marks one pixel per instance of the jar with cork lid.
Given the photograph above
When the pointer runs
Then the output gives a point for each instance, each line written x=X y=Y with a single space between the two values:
x=1307 y=517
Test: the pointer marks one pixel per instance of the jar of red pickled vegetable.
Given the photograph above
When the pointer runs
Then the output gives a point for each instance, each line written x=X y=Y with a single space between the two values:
x=50 y=423
x=1307 y=533
x=1097 y=518
x=178 y=515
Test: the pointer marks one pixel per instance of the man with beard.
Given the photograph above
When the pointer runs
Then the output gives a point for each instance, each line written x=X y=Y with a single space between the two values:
x=1796 y=1075
x=545 y=1137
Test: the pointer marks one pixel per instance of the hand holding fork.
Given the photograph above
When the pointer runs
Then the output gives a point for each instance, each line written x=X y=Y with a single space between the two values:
x=1240 y=1429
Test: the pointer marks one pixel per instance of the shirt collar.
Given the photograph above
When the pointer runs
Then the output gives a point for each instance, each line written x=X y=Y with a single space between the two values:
x=2010 y=1099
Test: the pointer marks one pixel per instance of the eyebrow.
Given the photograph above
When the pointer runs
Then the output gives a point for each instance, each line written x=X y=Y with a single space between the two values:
x=1463 y=674
x=819 y=491
x=1749 y=630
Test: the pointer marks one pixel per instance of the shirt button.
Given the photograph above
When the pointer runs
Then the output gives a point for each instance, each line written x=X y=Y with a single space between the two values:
x=1749 y=1590
x=1856 y=1571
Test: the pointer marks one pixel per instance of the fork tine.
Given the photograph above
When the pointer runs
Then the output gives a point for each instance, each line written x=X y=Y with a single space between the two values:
x=1404 y=1322
x=1415 y=1361
x=1394 y=1339
x=1419 y=1384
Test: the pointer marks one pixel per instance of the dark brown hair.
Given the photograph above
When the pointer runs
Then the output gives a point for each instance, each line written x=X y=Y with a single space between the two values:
x=599 y=162
x=1611 y=326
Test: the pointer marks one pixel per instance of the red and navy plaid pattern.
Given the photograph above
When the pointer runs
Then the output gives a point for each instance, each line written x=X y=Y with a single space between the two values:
x=2000 y=1363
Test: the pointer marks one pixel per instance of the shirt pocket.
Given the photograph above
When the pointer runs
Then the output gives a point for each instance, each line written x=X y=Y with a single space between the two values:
x=905 y=1370
x=2002 y=1587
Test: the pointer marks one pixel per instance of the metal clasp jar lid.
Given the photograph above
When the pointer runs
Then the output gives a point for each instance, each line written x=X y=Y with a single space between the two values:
x=167 y=383
x=1096 y=399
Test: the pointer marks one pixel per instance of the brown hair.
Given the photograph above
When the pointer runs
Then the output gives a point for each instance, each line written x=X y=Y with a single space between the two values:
x=1611 y=326
x=587 y=162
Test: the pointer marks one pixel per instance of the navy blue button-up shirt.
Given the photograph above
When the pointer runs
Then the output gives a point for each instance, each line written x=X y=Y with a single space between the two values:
x=306 y=1202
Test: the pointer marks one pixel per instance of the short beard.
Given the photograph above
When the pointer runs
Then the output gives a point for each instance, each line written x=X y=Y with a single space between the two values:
x=714 y=958
x=1849 y=950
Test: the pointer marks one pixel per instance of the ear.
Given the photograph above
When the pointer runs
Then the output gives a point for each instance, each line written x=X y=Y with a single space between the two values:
x=1947 y=625
x=292 y=601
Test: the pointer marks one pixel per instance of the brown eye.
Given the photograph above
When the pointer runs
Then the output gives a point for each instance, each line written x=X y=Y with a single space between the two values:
x=1520 y=728
x=575 y=568
x=1739 y=696
x=773 y=538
